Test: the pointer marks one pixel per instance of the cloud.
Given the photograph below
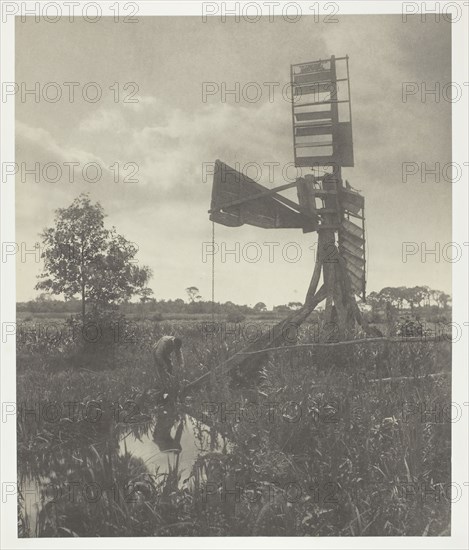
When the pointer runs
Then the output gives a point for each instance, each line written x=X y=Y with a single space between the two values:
x=169 y=144
x=102 y=120
x=48 y=149
x=170 y=133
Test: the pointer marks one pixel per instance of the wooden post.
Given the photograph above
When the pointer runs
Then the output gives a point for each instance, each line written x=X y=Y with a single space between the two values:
x=274 y=337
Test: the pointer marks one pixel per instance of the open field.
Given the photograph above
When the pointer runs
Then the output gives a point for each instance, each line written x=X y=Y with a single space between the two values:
x=30 y=316
x=315 y=445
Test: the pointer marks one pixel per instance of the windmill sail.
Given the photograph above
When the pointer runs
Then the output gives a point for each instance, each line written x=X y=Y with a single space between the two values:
x=322 y=123
x=238 y=200
x=352 y=241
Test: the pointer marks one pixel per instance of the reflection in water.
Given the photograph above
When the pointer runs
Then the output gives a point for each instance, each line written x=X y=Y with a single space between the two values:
x=173 y=444
x=162 y=433
x=117 y=462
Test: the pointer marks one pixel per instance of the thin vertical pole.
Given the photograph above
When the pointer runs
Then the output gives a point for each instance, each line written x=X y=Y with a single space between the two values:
x=213 y=272
x=364 y=252
x=213 y=332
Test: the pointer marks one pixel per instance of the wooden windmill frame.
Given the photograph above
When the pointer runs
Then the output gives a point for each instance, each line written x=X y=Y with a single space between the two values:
x=322 y=137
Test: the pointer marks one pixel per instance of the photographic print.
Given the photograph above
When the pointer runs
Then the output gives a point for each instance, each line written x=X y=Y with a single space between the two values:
x=237 y=255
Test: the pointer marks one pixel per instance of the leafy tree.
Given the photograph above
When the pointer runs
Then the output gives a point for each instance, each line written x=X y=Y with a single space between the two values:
x=435 y=296
x=444 y=299
x=282 y=309
x=83 y=258
x=426 y=294
x=260 y=307
x=44 y=297
x=193 y=294
x=388 y=295
x=374 y=299
x=145 y=295
x=295 y=305
x=179 y=304
x=420 y=293
x=399 y=296
x=412 y=297
x=376 y=302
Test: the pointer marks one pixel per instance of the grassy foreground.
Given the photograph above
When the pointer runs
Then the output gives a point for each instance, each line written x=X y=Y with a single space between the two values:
x=317 y=444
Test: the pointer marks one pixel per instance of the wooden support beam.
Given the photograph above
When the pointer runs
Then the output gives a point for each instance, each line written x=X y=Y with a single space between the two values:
x=320 y=192
x=378 y=339
x=327 y=211
x=226 y=367
x=342 y=304
x=325 y=227
x=337 y=288
x=431 y=376
x=317 y=270
x=269 y=193
x=274 y=336
x=355 y=215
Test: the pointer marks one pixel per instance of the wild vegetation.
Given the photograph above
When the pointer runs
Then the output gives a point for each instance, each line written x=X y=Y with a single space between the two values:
x=333 y=439
x=318 y=445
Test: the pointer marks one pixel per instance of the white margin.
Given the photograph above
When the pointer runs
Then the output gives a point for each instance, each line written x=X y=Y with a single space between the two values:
x=460 y=380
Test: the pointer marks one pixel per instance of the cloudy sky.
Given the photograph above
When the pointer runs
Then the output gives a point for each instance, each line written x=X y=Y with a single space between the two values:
x=171 y=132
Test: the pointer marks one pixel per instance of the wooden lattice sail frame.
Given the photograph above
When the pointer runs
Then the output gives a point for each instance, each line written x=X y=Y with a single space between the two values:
x=326 y=204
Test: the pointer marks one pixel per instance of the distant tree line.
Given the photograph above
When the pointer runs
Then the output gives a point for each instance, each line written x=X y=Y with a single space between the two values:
x=397 y=298
x=94 y=268
x=46 y=304
x=403 y=297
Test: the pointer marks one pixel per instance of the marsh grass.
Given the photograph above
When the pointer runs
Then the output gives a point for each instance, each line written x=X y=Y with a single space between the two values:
x=316 y=447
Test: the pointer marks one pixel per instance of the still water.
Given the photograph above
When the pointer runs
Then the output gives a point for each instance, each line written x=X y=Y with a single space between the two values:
x=135 y=459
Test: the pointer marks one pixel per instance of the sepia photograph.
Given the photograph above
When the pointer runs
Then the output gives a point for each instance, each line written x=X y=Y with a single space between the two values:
x=234 y=274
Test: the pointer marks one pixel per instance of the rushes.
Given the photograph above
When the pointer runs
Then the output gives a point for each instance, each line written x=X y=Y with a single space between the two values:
x=315 y=450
